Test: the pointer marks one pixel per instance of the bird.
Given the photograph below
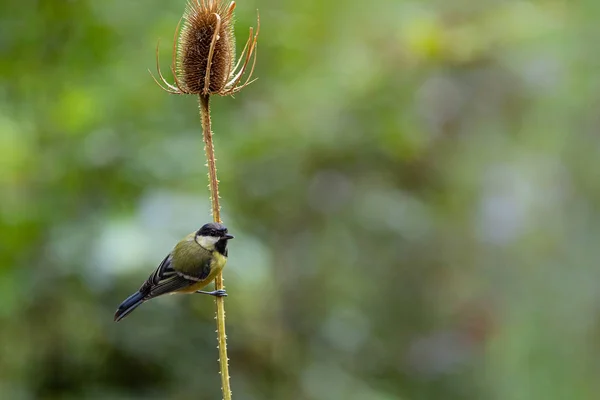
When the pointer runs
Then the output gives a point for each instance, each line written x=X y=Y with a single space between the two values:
x=193 y=263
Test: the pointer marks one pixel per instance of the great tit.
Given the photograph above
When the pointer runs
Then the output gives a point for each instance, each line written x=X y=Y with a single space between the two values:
x=193 y=263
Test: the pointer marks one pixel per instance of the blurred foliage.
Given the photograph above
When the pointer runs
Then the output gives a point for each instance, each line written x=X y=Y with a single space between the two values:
x=414 y=189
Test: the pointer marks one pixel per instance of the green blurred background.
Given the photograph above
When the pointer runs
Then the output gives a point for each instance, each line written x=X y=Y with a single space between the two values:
x=414 y=188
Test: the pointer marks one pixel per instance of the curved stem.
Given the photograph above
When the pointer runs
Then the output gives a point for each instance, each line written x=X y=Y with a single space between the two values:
x=216 y=212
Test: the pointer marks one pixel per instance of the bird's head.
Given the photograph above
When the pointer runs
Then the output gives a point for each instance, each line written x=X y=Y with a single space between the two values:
x=210 y=234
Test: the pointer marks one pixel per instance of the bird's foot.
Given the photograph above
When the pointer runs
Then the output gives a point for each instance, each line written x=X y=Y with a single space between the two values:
x=216 y=293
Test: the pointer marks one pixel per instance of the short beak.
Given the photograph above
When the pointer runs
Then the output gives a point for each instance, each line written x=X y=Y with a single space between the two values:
x=228 y=236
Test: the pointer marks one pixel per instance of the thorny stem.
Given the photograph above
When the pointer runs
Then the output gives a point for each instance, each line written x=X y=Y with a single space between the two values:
x=216 y=212
x=210 y=157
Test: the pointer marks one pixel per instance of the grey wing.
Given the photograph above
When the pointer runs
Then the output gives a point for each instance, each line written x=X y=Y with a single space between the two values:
x=165 y=279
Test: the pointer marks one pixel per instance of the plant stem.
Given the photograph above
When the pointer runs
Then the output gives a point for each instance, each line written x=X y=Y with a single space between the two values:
x=216 y=212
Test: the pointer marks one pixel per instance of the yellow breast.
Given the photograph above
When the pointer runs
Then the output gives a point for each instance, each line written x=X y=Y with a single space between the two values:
x=216 y=266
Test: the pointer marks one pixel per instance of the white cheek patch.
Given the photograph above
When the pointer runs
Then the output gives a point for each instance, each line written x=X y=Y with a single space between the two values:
x=208 y=242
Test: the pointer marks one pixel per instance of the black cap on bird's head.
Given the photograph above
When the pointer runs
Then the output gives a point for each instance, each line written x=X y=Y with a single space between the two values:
x=214 y=229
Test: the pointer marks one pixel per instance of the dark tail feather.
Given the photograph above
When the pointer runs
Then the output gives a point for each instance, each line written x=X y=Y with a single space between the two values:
x=128 y=305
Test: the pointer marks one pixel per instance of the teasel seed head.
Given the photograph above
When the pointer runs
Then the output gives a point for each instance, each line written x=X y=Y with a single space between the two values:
x=203 y=60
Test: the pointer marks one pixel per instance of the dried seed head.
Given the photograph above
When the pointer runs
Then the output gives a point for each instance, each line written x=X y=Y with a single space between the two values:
x=204 y=53
x=196 y=40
